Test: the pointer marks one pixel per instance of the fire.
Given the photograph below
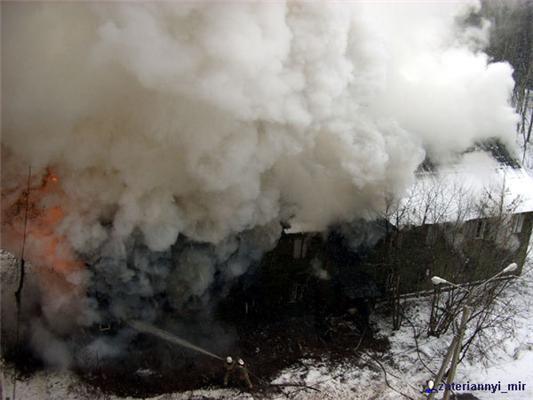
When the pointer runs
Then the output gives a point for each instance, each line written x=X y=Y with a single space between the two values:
x=46 y=249
x=55 y=251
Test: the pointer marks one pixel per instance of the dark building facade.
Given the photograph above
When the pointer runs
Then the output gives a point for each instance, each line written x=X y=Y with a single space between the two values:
x=436 y=232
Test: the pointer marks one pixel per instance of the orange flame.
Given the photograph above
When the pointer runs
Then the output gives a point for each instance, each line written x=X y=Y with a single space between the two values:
x=55 y=252
x=45 y=248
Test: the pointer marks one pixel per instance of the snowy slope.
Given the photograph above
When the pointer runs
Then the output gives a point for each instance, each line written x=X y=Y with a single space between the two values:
x=511 y=362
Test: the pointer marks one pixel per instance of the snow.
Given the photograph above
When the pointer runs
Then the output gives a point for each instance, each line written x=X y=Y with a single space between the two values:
x=514 y=362
x=520 y=184
x=510 y=362
x=452 y=194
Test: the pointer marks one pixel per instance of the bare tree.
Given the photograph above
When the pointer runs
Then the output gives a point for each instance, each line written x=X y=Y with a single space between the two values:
x=443 y=227
x=511 y=40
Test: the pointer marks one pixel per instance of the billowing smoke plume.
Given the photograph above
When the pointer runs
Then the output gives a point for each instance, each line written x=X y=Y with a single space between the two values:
x=176 y=132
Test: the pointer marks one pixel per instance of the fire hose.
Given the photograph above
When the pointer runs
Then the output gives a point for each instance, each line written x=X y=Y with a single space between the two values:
x=152 y=330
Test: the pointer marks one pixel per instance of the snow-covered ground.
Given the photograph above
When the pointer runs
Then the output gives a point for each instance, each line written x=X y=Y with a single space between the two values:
x=510 y=362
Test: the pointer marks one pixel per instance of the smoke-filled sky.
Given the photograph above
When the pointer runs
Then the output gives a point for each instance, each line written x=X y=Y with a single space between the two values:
x=206 y=119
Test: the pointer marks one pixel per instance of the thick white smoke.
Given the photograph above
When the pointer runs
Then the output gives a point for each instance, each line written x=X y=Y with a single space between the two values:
x=208 y=119
x=162 y=124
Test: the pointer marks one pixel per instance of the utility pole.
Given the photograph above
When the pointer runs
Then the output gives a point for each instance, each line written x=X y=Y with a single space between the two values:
x=453 y=353
x=445 y=363
x=455 y=347
x=18 y=292
x=467 y=311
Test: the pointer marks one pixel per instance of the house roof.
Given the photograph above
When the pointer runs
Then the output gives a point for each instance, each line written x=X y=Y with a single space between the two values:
x=455 y=194
x=486 y=178
x=498 y=151
x=492 y=147
x=520 y=183
x=486 y=175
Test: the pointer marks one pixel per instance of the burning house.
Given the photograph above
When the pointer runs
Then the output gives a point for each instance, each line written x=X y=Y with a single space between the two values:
x=188 y=164
x=455 y=223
